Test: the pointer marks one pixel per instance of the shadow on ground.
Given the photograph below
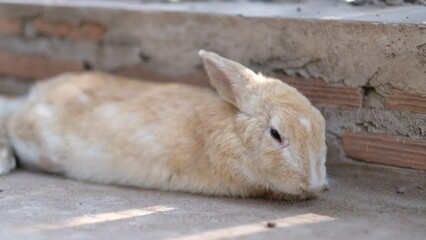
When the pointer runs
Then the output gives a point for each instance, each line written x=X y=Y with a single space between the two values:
x=360 y=204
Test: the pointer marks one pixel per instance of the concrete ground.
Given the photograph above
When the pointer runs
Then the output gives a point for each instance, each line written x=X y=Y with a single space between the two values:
x=362 y=204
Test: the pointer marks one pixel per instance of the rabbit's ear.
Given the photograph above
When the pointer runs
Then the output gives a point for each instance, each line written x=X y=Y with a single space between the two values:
x=229 y=78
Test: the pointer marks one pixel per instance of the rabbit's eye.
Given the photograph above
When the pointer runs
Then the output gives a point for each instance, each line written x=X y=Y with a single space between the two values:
x=275 y=134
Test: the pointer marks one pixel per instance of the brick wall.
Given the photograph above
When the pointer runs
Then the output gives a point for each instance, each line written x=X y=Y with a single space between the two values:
x=367 y=119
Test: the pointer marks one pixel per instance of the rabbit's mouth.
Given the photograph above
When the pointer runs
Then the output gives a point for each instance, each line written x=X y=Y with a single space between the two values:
x=294 y=197
x=298 y=195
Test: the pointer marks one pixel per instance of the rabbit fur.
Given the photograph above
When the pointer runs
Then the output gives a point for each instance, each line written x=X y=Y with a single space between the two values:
x=252 y=137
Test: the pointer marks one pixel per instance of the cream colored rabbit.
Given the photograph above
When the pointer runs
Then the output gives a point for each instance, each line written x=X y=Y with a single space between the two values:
x=253 y=137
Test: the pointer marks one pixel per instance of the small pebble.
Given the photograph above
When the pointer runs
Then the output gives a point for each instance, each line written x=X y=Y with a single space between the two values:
x=271 y=224
x=299 y=9
x=1 y=190
x=401 y=190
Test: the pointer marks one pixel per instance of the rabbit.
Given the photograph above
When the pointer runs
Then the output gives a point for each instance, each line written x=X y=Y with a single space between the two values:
x=254 y=136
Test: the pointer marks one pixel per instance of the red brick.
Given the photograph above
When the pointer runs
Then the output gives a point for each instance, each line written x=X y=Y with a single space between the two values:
x=84 y=31
x=324 y=94
x=34 y=67
x=406 y=102
x=317 y=91
x=198 y=78
x=386 y=149
x=10 y=26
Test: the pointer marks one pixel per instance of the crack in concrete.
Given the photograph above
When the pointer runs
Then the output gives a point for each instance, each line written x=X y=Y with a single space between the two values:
x=301 y=70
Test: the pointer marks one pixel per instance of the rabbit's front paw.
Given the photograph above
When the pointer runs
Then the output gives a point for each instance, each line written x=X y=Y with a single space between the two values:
x=7 y=160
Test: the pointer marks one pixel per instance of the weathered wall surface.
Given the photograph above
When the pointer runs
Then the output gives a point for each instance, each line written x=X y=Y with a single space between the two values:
x=368 y=79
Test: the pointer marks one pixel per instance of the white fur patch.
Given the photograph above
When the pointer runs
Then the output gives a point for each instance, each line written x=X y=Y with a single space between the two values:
x=317 y=170
x=27 y=151
x=260 y=79
x=147 y=137
x=43 y=110
x=83 y=98
x=106 y=111
x=275 y=122
x=7 y=162
x=305 y=122
x=53 y=141
x=286 y=154
x=315 y=183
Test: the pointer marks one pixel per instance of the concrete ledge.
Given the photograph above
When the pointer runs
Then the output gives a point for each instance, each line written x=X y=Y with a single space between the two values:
x=382 y=55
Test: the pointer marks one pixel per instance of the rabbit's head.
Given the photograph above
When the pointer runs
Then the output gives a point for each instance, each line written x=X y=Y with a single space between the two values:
x=282 y=133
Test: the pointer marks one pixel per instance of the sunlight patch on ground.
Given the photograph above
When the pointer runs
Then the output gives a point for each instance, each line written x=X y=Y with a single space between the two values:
x=100 y=218
x=242 y=230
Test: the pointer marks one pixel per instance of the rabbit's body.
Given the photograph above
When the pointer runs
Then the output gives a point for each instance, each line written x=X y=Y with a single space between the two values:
x=149 y=135
x=107 y=129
